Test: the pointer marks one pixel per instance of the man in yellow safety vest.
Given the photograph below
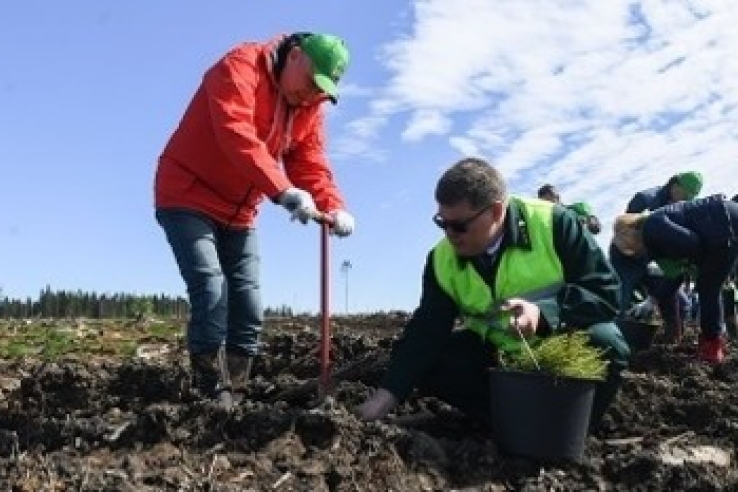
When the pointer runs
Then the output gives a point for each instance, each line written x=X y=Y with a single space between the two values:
x=503 y=260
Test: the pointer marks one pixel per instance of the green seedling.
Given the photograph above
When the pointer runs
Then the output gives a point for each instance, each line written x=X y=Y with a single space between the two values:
x=567 y=355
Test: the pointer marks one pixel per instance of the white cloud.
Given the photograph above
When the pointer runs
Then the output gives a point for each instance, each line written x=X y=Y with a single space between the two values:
x=465 y=146
x=601 y=98
x=426 y=122
x=349 y=89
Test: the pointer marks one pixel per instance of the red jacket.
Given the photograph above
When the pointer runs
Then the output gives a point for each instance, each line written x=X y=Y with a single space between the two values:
x=225 y=155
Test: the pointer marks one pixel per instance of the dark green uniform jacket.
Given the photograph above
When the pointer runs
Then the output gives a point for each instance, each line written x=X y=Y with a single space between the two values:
x=589 y=295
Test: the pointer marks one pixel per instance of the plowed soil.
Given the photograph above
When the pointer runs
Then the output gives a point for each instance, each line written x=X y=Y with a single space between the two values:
x=123 y=424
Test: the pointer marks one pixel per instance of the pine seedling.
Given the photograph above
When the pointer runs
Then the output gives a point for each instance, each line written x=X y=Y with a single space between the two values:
x=567 y=355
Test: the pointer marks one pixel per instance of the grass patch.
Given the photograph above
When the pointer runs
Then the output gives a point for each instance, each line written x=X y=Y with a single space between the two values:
x=165 y=331
x=57 y=344
x=127 y=349
x=14 y=350
x=54 y=340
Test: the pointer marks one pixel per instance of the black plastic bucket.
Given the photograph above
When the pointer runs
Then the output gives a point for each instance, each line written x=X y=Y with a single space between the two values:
x=540 y=416
x=638 y=334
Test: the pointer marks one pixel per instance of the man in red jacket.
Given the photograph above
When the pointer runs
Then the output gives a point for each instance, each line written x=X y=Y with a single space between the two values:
x=254 y=128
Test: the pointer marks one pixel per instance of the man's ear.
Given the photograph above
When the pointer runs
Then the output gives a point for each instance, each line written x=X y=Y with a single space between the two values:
x=293 y=54
x=498 y=208
x=298 y=53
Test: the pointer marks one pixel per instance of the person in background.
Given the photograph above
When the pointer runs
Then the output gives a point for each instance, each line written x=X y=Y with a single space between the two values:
x=583 y=210
x=684 y=303
x=253 y=129
x=503 y=260
x=585 y=216
x=663 y=291
x=701 y=233
x=549 y=193
x=694 y=302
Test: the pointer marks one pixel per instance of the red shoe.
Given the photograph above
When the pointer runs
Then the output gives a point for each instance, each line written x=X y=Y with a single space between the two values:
x=711 y=350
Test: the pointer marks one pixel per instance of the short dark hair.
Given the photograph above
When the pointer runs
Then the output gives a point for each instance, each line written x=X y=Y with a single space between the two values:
x=547 y=189
x=472 y=180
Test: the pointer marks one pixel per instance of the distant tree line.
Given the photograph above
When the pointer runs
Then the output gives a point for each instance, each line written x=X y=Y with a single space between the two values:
x=79 y=304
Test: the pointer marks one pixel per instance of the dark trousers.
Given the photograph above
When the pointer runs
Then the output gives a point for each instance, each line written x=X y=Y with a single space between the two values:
x=632 y=272
x=712 y=272
x=671 y=301
x=460 y=375
x=716 y=264
x=712 y=239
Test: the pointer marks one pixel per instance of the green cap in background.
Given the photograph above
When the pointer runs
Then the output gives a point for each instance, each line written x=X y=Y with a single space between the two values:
x=691 y=181
x=330 y=58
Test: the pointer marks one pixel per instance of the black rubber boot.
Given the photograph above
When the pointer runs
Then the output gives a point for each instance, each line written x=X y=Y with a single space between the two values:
x=239 y=368
x=211 y=378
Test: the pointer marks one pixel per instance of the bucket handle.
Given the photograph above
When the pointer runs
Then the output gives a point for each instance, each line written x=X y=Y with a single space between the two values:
x=525 y=342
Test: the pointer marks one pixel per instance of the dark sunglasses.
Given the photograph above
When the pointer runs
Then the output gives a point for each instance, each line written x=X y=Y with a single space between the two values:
x=460 y=226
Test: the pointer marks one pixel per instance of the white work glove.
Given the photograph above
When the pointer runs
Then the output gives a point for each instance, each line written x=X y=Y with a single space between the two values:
x=300 y=203
x=642 y=310
x=343 y=223
x=376 y=406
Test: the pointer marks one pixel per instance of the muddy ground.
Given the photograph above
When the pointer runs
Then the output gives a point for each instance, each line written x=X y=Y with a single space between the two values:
x=96 y=423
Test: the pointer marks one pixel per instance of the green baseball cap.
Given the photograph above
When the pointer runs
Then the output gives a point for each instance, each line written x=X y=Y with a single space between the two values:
x=691 y=181
x=330 y=58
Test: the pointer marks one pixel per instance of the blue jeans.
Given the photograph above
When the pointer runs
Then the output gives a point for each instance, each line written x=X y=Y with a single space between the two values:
x=220 y=267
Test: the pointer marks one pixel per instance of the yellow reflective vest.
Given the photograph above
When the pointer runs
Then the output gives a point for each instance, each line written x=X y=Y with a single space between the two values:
x=531 y=272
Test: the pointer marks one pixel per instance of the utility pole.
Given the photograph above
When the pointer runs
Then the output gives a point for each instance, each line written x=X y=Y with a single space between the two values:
x=345 y=267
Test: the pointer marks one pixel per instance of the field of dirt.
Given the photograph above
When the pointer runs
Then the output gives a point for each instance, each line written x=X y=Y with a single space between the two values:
x=87 y=423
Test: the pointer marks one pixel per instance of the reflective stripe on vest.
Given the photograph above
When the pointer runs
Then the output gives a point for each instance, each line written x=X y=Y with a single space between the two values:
x=531 y=273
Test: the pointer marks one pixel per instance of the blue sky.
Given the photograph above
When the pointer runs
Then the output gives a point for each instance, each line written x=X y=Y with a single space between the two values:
x=599 y=98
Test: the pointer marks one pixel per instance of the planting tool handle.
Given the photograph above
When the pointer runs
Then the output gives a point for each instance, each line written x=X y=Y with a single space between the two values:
x=326 y=222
